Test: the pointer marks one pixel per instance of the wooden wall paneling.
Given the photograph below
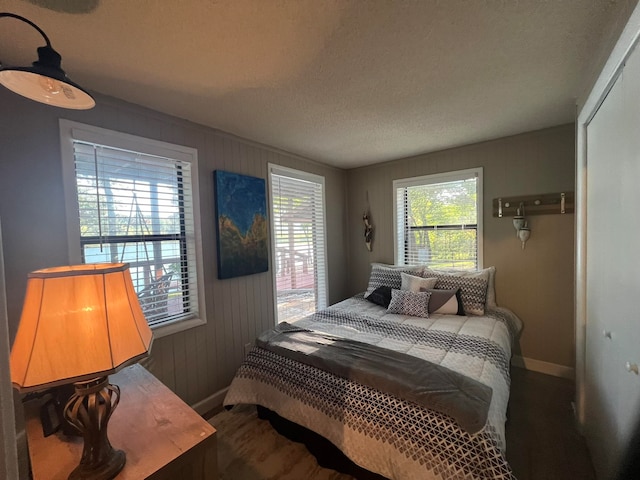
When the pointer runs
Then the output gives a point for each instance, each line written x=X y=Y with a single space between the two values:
x=108 y=116
x=204 y=383
x=264 y=298
x=215 y=327
x=267 y=286
x=238 y=284
x=192 y=365
x=32 y=206
x=125 y=123
x=253 y=167
x=250 y=311
x=217 y=163
x=180 y=364
x=163 y=350
x=243 y=164
x=238 y=287
x=232 y=164
x=227 y=317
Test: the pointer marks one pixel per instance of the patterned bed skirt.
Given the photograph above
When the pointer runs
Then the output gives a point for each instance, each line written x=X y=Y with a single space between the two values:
x=383 y=434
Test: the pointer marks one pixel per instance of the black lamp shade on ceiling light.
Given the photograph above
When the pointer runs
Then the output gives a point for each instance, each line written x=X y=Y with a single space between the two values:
x=45 y=81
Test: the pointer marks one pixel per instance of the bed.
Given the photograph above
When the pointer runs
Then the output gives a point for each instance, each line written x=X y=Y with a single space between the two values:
x=409 y=379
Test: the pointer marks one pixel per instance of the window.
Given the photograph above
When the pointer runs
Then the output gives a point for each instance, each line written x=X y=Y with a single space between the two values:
x=438 y=220
x=298 y=229
x=134 y=200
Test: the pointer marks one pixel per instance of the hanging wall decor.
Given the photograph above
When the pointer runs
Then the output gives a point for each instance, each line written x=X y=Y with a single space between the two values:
x=368 y=226
x=368 y=230
x=241 y=214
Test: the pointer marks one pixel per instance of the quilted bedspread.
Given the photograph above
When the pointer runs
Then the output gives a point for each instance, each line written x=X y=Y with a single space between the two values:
x=385 y=434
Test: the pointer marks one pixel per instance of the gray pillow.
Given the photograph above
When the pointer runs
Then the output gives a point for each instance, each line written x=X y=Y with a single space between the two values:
x=444 y=302
x=411 y=303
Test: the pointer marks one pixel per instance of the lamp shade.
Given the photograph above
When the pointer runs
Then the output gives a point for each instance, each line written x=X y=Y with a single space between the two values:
x=78 y=323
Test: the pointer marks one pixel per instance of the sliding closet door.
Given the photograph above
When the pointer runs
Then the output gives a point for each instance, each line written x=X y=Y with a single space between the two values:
x=613 y=270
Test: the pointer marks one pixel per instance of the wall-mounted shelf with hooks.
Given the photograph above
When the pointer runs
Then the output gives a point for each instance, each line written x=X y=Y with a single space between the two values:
x=547 y=204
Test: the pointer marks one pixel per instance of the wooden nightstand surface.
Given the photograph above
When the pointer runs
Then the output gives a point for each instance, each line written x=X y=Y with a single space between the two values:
x=161 y=435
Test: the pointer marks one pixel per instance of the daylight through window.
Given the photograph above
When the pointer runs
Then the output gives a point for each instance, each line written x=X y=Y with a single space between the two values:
x=137 y=208
x=297 y=204
x=438 y=220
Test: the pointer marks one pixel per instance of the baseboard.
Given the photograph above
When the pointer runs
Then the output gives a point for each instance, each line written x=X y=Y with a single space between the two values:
x=543 y=367
x=211 y=402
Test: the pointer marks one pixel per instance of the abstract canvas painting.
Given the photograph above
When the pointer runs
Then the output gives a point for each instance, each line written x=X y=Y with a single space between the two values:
x=241 y=212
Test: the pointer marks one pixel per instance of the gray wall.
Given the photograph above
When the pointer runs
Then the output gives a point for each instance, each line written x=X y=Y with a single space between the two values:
x=536 y=283
x=195 y=363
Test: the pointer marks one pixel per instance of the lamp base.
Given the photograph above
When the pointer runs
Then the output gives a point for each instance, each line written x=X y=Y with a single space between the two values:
x=105 y=471
x=89 y=410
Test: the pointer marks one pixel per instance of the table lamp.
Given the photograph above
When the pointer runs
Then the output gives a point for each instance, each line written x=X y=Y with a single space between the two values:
x=80 y=324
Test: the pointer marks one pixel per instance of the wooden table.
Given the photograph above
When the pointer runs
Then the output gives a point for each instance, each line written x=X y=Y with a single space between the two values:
x=161 y=435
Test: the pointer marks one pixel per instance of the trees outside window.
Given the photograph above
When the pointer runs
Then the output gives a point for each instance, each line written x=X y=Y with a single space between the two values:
x=133 y=200
x=438 y=220
x=298 y=239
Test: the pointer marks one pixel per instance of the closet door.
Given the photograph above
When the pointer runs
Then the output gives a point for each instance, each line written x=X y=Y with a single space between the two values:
x=613 y=270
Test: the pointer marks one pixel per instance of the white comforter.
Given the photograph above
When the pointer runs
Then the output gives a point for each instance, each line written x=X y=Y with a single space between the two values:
x=381 y=433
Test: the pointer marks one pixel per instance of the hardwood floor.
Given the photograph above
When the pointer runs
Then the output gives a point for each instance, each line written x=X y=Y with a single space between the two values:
x=542 y=440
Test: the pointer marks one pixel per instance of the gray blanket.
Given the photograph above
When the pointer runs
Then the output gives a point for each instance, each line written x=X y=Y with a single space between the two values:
x=407 y=377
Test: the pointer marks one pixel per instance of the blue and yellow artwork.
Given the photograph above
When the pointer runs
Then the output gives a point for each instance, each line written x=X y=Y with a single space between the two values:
x=241 y=212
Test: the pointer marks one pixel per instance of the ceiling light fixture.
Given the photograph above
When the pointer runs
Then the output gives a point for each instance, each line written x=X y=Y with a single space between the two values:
x=45 y=81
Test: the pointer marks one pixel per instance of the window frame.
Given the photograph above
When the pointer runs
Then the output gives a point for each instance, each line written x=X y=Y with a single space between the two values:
x=453 y=176
x=73 y=131
x=323 y=299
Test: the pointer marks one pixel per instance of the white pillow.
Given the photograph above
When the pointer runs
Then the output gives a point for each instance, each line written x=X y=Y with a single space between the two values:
x=415 y=284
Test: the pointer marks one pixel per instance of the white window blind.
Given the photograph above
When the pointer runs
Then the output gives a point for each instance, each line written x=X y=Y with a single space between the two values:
x=298 y=226
x=438 y=220
x=138 y=208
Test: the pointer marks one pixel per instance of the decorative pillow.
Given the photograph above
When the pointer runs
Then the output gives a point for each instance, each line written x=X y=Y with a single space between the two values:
x=414 y=283
x=411 y=303
x=491 y=287
x=381 y=296
x=444 y=302
x=388 y=276
x=472 y=284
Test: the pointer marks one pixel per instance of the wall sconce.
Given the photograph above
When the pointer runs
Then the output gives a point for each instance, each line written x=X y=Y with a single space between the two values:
x=45 y=81
x=543 y=204
x=518 y=219
x=523 y=232
x=80 y=324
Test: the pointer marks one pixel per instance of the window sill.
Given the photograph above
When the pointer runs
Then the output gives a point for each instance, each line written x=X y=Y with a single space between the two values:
x=176 y=326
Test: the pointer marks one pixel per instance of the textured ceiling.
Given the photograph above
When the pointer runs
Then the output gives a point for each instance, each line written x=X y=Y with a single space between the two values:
x=344 y=82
